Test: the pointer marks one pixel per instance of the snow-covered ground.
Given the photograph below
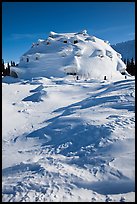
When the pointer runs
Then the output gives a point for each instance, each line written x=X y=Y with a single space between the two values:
x=67 y=140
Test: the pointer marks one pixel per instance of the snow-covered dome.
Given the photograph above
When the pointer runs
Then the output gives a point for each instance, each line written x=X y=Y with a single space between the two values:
x=70 y=53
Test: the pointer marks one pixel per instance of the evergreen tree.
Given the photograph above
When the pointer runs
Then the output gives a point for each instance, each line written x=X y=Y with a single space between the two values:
x=3 y=68
x=8 y=70
x=131 y=67
x=125 y=61
x=13 y=63
x=132 y=62
x=128 y=63
x=128 y=66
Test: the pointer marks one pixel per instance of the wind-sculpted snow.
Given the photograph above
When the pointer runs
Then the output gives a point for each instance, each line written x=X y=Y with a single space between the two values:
x=80 y=54
x=36 y=97
x=68 y=141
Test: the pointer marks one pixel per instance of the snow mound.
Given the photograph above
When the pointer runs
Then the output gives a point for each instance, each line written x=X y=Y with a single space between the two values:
x=79 y=54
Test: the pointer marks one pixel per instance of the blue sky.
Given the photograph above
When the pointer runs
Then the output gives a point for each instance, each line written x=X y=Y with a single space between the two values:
x=25 y=22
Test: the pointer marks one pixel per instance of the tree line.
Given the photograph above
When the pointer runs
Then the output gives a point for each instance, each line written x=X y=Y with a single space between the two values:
x=6 y=69
x=130 y=64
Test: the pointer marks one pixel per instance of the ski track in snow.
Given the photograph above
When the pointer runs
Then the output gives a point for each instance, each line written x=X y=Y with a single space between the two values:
x=68 y=141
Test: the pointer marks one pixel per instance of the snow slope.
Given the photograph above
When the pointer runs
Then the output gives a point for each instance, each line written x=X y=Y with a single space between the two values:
x=127 y=49
x=63 y=53
x=66 y=140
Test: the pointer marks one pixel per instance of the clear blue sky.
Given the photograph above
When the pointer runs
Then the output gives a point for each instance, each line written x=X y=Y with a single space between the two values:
x=24 y=22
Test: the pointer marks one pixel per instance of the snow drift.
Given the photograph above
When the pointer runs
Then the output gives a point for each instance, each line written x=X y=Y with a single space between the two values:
x=68 y=141
x=78 y=54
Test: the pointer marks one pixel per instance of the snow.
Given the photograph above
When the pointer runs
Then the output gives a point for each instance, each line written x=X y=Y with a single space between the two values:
x=63 y=53
x=68 y=140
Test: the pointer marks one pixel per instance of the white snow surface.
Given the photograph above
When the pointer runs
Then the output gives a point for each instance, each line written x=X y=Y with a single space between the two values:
x=67 y=140
x=61 y=53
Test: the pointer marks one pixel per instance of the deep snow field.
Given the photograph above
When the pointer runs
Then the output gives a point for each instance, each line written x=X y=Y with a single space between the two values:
x=67 y=140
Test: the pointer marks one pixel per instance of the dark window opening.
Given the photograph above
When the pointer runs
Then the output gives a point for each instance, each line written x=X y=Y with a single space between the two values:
x=123 y=73
x=101 y=56
x=65 y=41
x=71 y=73
x=75 y=41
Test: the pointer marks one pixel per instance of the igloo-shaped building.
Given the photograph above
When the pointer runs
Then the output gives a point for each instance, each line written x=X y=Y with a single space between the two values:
x=70 y=53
